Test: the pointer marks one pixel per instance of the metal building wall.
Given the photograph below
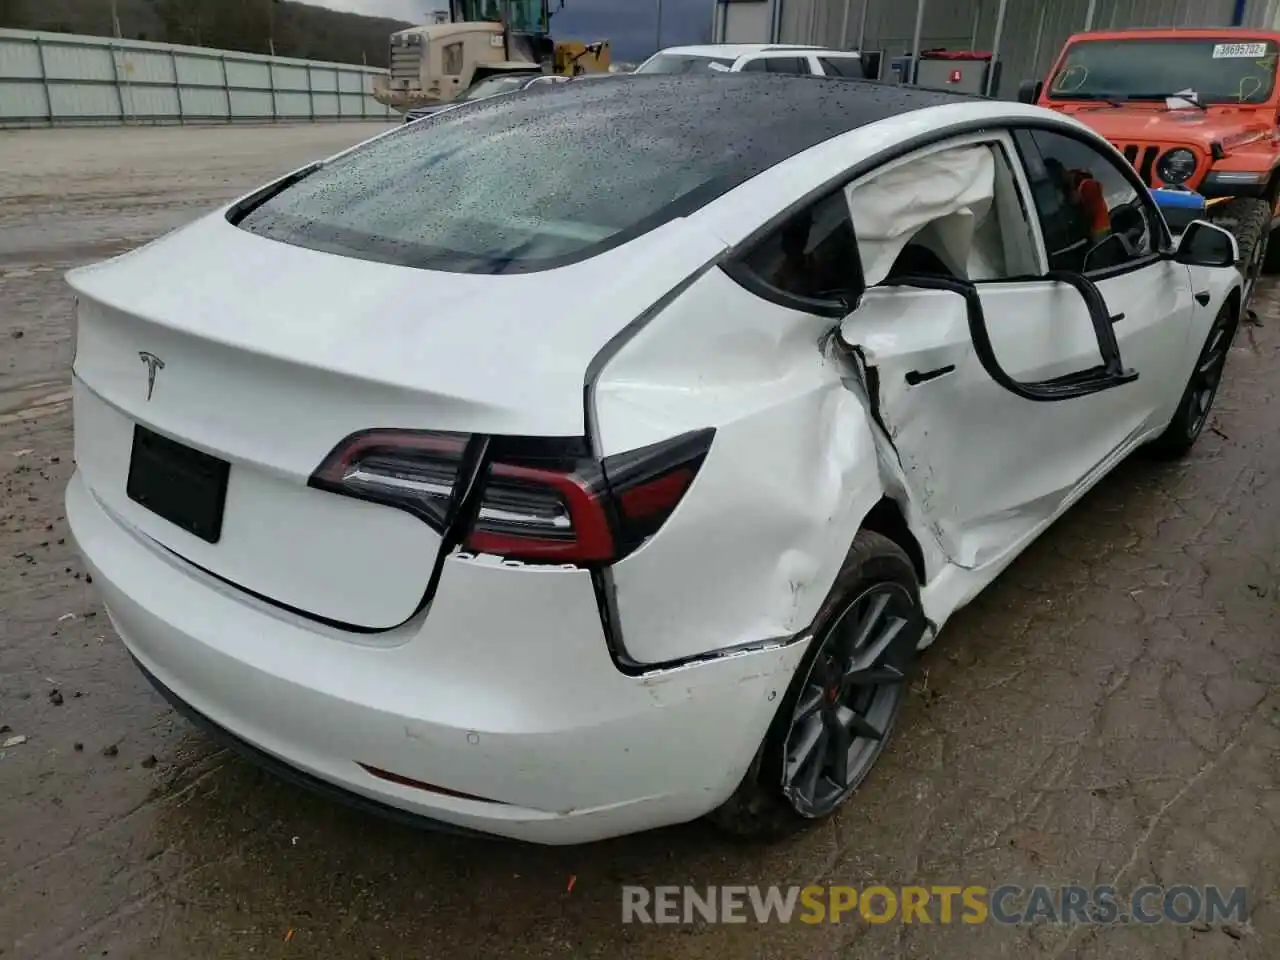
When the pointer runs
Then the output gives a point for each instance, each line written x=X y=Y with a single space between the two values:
x=56 y=79
x=1033 y=32
x=742 y=21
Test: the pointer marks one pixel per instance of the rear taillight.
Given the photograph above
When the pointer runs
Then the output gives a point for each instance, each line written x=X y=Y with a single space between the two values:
x=413 y=470
x=543 y=511
x=537 y=501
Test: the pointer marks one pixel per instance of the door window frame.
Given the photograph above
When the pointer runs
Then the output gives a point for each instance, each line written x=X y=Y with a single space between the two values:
x=1161 y=239
x=738 y=267
x=1108 y=374
x=999 y=138
x=1111 y=372
x=982 y=130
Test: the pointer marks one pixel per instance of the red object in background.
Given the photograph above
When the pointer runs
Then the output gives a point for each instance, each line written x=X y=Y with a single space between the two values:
x=954 y=55
x=955 y=77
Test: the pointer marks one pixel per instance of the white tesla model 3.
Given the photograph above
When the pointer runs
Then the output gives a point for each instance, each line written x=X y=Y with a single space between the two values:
x=582 y=461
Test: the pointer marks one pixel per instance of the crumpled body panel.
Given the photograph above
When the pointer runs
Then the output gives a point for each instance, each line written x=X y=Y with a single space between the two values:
x=752 y=550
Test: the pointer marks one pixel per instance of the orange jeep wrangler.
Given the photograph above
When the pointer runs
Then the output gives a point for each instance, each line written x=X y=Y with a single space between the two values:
x=1193 y=109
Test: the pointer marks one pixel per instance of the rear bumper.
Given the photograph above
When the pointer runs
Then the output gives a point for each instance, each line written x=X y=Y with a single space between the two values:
x=505 y=691
x=292 y=774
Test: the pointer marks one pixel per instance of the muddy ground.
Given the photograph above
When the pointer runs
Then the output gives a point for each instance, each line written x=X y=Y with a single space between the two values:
x=1108 y=712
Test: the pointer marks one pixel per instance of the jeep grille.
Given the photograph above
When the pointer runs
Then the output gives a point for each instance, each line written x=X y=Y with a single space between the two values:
x=1142 y=158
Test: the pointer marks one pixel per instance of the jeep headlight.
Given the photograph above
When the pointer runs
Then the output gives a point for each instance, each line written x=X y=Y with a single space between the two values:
x=1176 y=166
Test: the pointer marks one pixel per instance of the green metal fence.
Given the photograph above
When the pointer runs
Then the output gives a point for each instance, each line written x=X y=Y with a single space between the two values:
x=56 y=79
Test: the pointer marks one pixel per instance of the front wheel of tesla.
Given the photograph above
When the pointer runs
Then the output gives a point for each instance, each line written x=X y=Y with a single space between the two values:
x=844 y=700
x=1197 y=399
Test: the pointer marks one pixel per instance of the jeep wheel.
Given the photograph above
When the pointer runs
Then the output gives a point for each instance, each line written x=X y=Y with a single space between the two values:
x=1271 y=262
x=1249 y=220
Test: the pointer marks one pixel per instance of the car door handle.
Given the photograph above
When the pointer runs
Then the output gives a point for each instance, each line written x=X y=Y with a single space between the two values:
x=915 y=377
x=1116 y=318
x=1202 y=298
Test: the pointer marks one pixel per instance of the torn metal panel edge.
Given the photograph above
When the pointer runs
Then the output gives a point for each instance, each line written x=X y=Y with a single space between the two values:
x=793 y=456
x=852 y=491
x=863 y=380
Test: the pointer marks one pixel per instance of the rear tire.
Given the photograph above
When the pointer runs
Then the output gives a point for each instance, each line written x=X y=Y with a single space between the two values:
x=1202 y=387
x=843 y=701
x=1271 y=263
x=1249 y=220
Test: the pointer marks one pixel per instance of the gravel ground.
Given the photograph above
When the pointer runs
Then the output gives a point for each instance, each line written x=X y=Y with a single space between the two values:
x=1108 y=712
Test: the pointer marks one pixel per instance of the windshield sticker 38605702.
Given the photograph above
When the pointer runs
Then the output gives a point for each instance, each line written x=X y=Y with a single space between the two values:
x=1244 y=51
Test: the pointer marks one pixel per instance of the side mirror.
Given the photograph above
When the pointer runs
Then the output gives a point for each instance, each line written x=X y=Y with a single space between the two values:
x=1029 y=91
x=1204 y=245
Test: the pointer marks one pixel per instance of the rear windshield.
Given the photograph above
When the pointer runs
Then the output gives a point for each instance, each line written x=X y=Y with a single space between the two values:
x=684 y=63
x=1217 y=70
x=522 y=182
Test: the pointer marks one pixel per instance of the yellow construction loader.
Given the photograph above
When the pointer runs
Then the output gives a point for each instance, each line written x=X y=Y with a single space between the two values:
x=436 y=62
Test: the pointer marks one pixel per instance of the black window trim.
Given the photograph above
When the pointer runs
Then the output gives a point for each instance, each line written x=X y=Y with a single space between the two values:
x=734 y=262
x=1161 y=240
x=821 y=60
x=736 y=266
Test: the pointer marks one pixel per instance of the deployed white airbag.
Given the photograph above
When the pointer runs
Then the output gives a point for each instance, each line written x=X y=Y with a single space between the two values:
x=944 y=197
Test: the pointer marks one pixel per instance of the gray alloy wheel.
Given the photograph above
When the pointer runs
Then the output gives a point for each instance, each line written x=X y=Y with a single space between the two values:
x=849 y=700
x=1202 y=387
x=842 y=701
x=1208 y=376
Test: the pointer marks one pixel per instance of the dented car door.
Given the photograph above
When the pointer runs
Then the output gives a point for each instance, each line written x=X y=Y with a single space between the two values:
x=1148 y=296
x=987 y=467
x=984 y=366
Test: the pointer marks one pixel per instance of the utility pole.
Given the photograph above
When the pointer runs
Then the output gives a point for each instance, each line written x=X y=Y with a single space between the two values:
x=915 y=42
x=658 y=38
x=115 y=19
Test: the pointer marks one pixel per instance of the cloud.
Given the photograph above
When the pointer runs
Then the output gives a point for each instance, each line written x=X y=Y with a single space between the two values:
x=631 y=25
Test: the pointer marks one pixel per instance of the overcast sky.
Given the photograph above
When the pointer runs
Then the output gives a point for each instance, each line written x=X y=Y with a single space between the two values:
x=631 y=25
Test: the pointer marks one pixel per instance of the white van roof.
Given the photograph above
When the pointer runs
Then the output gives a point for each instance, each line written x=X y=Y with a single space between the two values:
x=732 y=51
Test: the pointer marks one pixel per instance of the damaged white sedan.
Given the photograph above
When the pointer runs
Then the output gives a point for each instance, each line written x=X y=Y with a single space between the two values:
x=579 y=462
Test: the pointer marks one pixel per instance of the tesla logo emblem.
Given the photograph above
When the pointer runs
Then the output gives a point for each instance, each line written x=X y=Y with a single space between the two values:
x=153 y=363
